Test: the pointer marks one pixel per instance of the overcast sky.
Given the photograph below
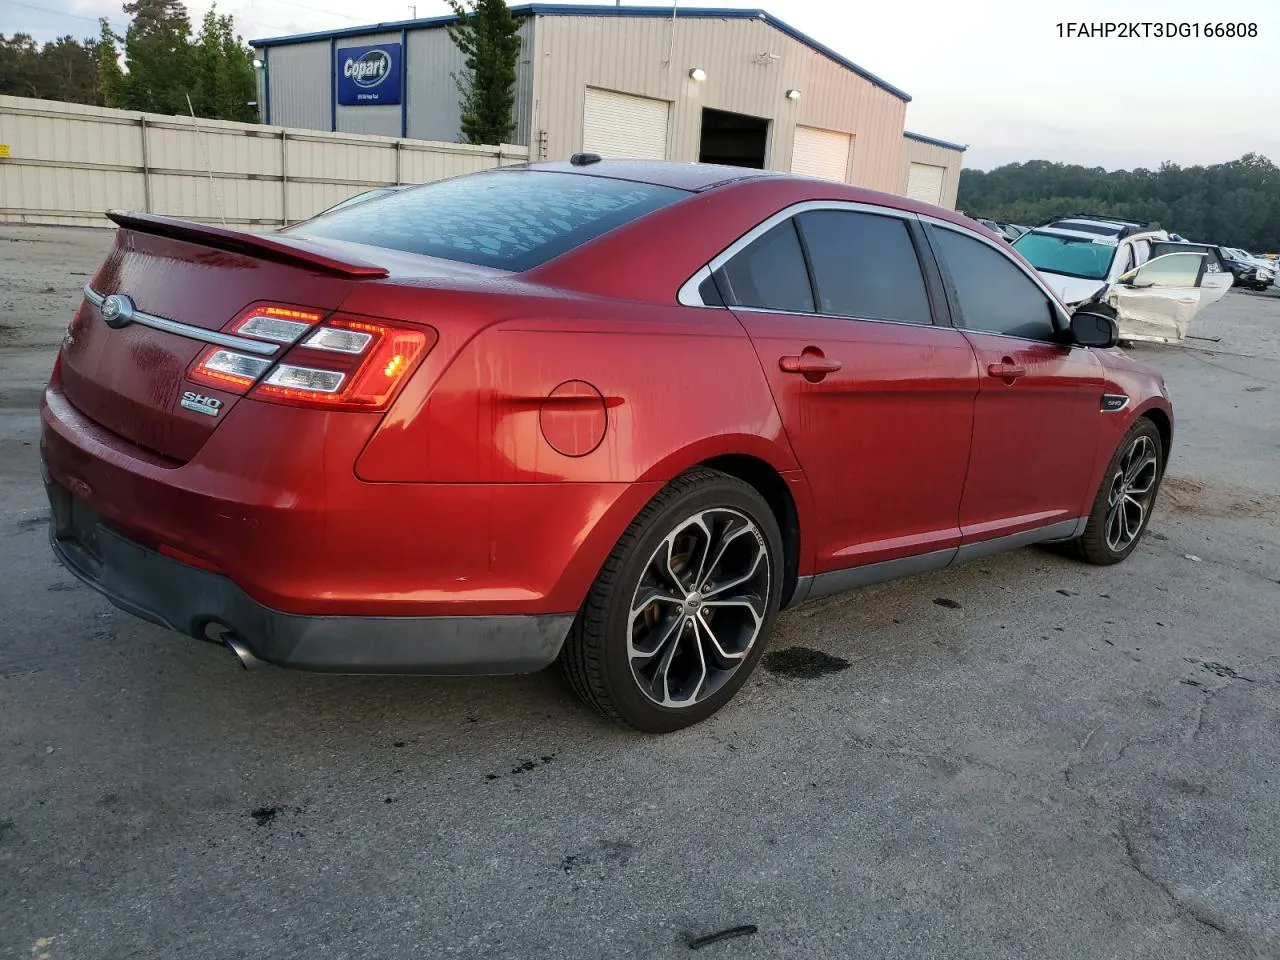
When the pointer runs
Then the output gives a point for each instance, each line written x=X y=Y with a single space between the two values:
x=990 y=73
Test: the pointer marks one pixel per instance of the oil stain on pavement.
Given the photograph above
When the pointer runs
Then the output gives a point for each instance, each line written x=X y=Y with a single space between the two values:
x=803 y=663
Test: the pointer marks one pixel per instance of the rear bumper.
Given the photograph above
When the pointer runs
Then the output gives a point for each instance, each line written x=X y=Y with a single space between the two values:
x=271 y=503
x=189 y=600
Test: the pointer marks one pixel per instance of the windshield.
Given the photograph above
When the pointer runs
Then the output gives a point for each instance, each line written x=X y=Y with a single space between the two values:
x=1069 y=256
x=512 y=220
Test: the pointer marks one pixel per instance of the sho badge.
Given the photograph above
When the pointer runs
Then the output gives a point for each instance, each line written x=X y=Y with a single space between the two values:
x=209 y=406
x=1114 y=402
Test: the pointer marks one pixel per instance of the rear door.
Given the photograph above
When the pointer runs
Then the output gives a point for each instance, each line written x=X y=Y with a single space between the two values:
x=876 y=398
x=1036 y=420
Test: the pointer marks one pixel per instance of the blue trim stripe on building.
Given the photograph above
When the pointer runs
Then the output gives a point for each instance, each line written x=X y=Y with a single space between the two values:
x=333 y=83
x=936 y=142
x=583 y=10
x=404 y=83
x=266 y=86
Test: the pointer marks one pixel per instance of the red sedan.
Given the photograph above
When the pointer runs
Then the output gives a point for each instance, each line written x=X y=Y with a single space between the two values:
x=613 y=414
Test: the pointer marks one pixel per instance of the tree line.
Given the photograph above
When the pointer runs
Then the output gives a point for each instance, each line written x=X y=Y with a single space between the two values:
x=1236 y=204
x=164 y=63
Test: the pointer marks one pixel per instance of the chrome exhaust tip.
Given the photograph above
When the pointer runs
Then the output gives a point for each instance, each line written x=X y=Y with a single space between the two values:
x=247 y=659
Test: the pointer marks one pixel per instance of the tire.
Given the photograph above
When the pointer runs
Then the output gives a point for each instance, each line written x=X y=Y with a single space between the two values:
x=686 y=619
x=1133 y=475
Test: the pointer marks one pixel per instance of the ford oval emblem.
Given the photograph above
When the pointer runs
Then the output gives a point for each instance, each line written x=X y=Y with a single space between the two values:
x=117 y=311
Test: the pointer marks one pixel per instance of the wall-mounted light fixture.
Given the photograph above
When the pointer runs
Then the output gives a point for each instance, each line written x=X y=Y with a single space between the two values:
x=697 y=74
x=257 y=64
x=793 y=94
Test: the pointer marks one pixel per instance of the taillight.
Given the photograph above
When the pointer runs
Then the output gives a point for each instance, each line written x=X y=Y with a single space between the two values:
x=345 y=362
x=235 y=371
x=227 y=370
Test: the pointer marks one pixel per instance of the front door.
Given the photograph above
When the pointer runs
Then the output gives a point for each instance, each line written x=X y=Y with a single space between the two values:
x=1037 y=418
x=876 y=400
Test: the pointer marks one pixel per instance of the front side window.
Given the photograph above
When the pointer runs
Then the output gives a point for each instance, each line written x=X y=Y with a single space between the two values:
x=864 y=266
x=769 y=274
x=994 y=295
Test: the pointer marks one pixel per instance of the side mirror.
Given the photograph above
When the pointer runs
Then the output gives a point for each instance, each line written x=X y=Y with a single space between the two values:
x=1090 y=329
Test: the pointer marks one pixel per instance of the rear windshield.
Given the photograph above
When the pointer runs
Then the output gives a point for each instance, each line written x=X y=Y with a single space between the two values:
x=512 y=220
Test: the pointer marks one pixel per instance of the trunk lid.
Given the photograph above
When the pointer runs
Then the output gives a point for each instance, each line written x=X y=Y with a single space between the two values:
x=131 y=378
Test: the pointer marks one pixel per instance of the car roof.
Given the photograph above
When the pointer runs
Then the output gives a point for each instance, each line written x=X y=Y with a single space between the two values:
x=1058 y=230
x=698 y=177
x=1090 y=225
x=662 y=173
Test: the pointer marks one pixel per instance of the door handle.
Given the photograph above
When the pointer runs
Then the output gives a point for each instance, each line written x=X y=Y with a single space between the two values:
x=1006 y=370
x=811 y=362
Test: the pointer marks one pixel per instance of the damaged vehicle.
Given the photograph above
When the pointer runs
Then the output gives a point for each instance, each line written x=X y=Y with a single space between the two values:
x=1097 y=261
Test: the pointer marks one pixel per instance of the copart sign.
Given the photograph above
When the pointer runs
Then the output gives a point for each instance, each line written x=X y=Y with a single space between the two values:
x=368 y=76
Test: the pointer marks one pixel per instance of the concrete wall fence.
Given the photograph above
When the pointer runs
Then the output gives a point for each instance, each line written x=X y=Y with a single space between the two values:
x=64 y=163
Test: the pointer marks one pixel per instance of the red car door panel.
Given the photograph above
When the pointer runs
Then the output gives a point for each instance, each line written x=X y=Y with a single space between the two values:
x=884 y=439
x=1034 y=435
x=1037 y=417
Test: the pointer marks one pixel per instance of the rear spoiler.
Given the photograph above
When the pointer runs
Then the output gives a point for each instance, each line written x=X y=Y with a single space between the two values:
x=297 y=253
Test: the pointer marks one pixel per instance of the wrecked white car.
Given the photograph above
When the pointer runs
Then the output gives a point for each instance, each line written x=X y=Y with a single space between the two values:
x=1100 y=262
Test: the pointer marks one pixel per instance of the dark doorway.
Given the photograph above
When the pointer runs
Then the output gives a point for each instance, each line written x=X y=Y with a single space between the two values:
x=734 y=139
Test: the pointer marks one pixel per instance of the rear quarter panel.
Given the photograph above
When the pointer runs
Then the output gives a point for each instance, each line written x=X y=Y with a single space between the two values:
x=677 y=386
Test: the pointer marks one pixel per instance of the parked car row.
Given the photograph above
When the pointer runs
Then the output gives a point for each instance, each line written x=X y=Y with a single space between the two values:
x=1010 y=231
x=1256 y=273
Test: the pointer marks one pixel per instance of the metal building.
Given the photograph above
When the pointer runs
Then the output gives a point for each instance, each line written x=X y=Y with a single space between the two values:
x=713 y=85
x=930 y=169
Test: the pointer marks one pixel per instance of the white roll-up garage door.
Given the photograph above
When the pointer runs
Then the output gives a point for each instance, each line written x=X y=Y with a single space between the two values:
x=623 y=126
x=820 y=153
x=924 y=182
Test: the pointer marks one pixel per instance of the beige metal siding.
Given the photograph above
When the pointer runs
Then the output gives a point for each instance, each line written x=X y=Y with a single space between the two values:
x=301 y=87
x=620 y=125
x=433 y=111
x=916 y=152
x=821 y=153
x=70 y=163
x=629 y=54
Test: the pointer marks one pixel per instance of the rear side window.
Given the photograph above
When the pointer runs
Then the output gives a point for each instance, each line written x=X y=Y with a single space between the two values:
x=1213 y=259
x=994 y=295
x=512 y=220
x=770 y=273
x=864 y=266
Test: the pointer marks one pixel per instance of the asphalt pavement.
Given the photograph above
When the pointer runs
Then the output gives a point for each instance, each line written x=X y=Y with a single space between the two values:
x=1023 y=757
